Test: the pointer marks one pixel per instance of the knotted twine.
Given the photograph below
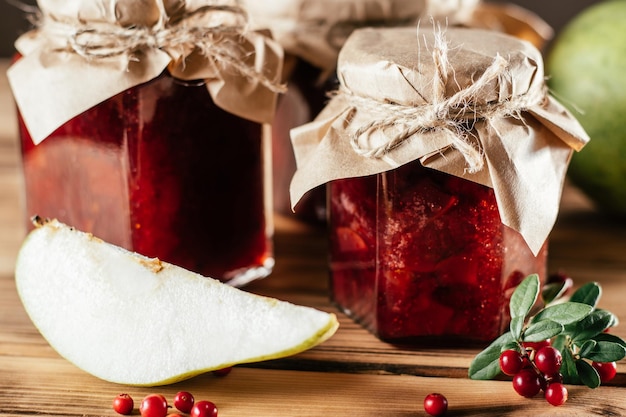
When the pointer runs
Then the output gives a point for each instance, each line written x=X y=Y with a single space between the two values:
x=496 y=97
x=455 y=114
x=125 y=43
x=179 y=37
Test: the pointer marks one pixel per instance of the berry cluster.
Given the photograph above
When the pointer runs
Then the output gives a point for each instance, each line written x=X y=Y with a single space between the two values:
x=156 y=405
x=556 y=330
x=536 y=369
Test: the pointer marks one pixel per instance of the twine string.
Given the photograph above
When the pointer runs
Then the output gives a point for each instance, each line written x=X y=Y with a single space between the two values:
x=456 y=114
x=101 y=40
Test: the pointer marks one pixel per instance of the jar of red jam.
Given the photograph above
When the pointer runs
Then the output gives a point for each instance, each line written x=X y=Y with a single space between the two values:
x=311 y=33
x=155 y=134
x=445 y=159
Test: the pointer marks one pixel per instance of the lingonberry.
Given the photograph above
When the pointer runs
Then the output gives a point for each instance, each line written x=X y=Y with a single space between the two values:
x=153 y=405
x=556 y=394
x=223 y=371
x=548 y=360
x=123 y=404
x=435 y=404
x=527 y=383
x=204 y=409
x=511 y=362
x=606 y=370
x=183 y=401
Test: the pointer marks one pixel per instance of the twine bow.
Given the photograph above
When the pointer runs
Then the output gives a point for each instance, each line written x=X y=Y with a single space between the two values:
x=457 y=114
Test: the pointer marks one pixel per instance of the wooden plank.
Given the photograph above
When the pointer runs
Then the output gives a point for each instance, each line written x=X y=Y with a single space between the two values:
x=59 y=389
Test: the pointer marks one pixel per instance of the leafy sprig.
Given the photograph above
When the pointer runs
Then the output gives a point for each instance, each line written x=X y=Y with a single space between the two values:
x=576 y=327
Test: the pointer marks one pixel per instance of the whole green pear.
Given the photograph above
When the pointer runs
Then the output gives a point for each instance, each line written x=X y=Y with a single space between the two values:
x=586 y=69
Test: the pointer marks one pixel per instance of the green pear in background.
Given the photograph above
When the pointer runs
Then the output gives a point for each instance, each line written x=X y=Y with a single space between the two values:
x=586 y=70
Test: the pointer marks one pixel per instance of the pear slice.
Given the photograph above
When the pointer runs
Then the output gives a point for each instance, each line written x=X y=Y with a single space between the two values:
x=134 y=320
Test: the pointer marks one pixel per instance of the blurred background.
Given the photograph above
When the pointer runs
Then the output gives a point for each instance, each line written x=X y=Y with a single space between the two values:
x=13 y=21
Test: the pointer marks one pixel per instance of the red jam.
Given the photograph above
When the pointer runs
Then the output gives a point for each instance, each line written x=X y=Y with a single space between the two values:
x=160 y=170
x=421 y=256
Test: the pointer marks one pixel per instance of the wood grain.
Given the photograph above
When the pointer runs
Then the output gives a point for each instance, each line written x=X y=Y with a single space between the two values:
x=352 y=374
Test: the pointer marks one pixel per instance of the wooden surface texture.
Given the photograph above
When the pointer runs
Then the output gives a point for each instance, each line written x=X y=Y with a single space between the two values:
x=352 y=374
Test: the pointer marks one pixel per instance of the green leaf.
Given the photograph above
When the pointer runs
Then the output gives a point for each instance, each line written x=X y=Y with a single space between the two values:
x=587 y=374
x=516 y=327
x=568 y=368
x=606 y=352
x=587 y=347
x=564 y=313
x=607 y=337
x=614 y=320
x=542 y=330
x=486 y=365
x=560 y=342
x=592 y=325
x=554 y=290
x=587 y=294
x=524 y=296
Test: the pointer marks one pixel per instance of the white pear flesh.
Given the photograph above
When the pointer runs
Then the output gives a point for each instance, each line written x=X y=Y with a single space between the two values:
x=133 y=320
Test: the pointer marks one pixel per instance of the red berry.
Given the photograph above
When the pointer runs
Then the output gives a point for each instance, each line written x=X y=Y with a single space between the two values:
x=548 y=360
x=527 y=383
x=223 y=371
x=153 y=405
x=123 y=404
x=606 y=370
x=435 y=404
x=183 y=401
x=204 y=409
x=556 y=394
x=511 y=362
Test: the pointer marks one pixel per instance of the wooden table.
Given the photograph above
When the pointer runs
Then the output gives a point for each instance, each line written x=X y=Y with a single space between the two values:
x=352 y=374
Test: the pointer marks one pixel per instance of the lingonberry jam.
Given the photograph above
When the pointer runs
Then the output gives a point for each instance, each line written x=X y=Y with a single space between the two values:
x=418 y=255
x=161 y=170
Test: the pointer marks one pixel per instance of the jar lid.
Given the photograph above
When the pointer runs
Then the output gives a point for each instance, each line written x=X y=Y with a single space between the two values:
x=83 y=52
x=315 y=30
x=396 y=65
x=468 y=102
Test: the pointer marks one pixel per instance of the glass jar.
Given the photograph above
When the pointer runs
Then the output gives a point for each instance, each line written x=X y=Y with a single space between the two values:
x=161 y=170
x=420 y=255
x=312 y=32
x=436 y=149
x=174 y=166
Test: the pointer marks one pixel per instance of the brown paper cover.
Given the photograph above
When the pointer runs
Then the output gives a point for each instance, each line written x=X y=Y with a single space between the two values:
x=315 y=30
x=468 y=102
x=86 y=51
